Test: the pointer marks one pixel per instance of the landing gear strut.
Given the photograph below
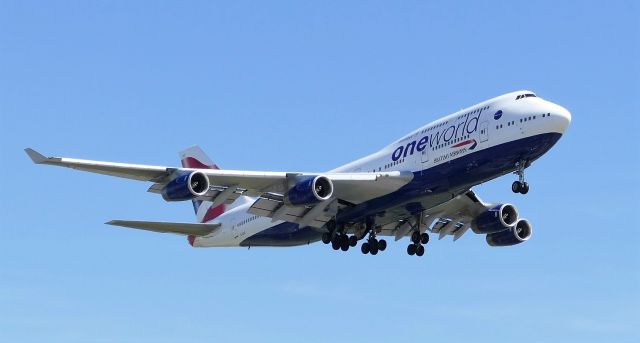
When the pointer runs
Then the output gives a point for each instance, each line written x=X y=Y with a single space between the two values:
x=520 y=186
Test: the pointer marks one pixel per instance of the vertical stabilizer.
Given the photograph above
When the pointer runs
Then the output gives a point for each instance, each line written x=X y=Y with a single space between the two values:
x=194 y=157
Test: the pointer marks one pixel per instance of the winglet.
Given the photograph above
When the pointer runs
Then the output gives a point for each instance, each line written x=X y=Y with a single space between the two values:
x=35 y=156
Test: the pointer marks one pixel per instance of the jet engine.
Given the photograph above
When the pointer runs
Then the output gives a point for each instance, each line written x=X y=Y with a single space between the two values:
x=186 y=187
x=496 y=219
x=310 y=190
x=516 y=234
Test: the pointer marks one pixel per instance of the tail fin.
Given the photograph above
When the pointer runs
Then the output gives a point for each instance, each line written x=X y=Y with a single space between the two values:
x=194 y=157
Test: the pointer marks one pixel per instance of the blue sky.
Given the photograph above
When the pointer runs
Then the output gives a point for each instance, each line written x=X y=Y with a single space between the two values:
x=309 y=86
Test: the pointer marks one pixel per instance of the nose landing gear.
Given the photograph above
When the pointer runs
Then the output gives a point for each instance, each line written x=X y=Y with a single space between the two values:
x=520 y=186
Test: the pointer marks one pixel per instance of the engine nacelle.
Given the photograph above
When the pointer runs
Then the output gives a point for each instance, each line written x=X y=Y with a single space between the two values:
x=516 y=234
x=496 y=219
x=186 y=187
x=310 y=190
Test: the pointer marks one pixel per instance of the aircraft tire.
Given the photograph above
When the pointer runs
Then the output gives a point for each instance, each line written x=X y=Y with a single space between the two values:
x=524 y=189
x=373 y=244
x=353 y=241
x=424 y=238
x=415 y=237
x=365 y=248
x=516 y=186
x=326 y=238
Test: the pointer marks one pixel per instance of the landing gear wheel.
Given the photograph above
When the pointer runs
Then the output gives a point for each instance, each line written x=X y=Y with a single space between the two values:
x=411 y=249
x=335 y=244
x=382 y=244
x=524 y=188
x=374 y=244
x=335 y=239
x=344 y=243
x=326 y=238
x=365 y=248
x=424 y=238
x=374 y=251
x=415 y=237
x=516 y=186
x=353 y=241
x=420 y=250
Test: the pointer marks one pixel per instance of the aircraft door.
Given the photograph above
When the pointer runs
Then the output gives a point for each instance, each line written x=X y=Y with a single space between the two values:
x=484 y=131
x=424 y=155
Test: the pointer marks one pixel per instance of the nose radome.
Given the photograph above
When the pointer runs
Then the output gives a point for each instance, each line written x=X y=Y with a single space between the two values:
x=565 y=117
x=561 y=117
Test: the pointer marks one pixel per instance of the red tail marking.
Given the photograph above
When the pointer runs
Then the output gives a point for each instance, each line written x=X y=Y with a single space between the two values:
x=213 y=213
x=190 y=162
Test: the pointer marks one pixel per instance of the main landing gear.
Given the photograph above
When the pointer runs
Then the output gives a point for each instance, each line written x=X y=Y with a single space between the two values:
x=417 y=247
x=338 y=239
x=373 y=245
x=520 y=186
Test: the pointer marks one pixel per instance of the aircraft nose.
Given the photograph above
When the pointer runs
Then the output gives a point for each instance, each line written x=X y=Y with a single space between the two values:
x=562 y=117
x=565 y=117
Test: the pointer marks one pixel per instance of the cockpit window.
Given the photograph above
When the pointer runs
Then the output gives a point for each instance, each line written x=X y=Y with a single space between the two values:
x=521 y=96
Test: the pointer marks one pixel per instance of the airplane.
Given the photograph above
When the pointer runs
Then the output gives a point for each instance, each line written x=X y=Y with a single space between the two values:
x=418 y=185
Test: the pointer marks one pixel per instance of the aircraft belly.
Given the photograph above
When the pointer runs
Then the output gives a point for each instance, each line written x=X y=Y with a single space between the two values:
x=454 y=176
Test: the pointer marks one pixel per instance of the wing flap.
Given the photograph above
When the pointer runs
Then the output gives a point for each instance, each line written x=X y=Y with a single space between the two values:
x=274 y=208
x=168 y=227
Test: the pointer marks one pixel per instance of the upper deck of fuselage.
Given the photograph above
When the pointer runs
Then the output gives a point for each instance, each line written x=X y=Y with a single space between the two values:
x=484 y=105
x=516 y=105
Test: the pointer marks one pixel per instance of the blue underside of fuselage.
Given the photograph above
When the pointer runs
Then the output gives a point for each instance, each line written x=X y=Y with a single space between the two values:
x=460 y=173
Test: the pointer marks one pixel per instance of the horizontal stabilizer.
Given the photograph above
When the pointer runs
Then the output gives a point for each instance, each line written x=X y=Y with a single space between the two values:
x=166 y=227
x=35 y=156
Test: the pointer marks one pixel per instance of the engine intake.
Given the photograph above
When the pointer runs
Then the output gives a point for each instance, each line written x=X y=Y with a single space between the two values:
x=496 y=219
x=517 y=234
x=186 y=187
x=310 y=190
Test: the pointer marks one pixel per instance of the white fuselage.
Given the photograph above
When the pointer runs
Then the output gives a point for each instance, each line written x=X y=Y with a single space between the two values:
x=492 y=123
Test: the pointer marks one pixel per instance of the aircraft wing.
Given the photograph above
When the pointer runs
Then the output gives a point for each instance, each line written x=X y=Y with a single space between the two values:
x=351 y=187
